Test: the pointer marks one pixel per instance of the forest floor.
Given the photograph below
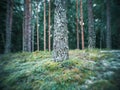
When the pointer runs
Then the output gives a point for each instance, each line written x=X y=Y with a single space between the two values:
x=85 y=70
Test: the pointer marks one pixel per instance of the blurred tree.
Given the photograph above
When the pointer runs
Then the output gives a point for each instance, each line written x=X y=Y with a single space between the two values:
x=44 y=25
x=27 y=46
x=108 y=32
x=91 y=31
x=77 y=31
x=37 y=26
x=9 y=18
x=49 y=27
x=82 y=24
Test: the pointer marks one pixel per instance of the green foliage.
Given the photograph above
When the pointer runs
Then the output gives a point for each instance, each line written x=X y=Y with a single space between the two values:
x=37 y=71
x=103 y=85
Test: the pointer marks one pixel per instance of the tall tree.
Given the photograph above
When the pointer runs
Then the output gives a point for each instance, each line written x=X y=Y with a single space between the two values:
x=27 y=26
x=49 y=27
x=60 y=39
x=91 y=31
x=108 y=32
x=82 y=24
x=77 y=32
x=9 y=19
x=37 y=26
x=44 y=25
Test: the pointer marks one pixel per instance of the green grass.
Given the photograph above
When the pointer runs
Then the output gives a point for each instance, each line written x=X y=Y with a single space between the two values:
x=38 y=71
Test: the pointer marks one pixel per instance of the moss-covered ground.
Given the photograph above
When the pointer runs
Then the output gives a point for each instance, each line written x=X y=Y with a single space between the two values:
x=85 y=70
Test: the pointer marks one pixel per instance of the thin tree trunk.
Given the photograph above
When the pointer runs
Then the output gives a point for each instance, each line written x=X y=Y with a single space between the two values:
x=49 y=27
x=77 y=24
x=37 y=28
x=23 y=32
x=82 y=24
x=91 y=31
x=44 y=25
x=33 y=27
x=29 y=29
x=9 y=18
x=60 y=39
x=108 y=38
x=25 y=27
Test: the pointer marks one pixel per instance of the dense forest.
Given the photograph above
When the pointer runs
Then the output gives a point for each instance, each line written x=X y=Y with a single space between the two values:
x=59 y=44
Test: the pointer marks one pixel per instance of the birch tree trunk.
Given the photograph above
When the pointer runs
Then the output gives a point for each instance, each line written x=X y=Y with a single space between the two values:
x=91 y=31
x=9 y=16
x=60 y=39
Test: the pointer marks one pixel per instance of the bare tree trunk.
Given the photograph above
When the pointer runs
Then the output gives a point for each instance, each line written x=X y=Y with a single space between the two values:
x=91 y=31
x=44 y=25
x=33 y=27
x=77 y=24
x=9 y=15
x=60 y=39
x=27 y=27
x=108 y=32
x=37 y=28
x=82 y=24
x=23 y=32
x=49 y=27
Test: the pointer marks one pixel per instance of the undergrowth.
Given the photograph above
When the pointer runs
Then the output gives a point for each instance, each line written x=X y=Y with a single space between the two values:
x=37 y=70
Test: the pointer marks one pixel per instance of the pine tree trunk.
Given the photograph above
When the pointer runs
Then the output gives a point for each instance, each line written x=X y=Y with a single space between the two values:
x=108 y=32
x=60 y=39
x=82 y=24
x=44 y=25
x=27 y=27
x=77 y=32
x=9 y=15
x=37 y=18
x=49 y=27
x=33 y=28
x=91 y=31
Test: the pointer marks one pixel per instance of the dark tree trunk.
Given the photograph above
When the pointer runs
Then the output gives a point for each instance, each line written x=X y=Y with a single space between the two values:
x=49 y=27
x=77 y=32
x=91 y=31
x=60 y=39
x=108 y=32
x=9 y=15
x=27 y=33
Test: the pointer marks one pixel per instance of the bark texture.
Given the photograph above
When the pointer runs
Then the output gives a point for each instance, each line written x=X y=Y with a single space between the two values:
x=108 y=32
x=9 y=15
x=60 y=39
x=91 y=31
x=27 y=32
